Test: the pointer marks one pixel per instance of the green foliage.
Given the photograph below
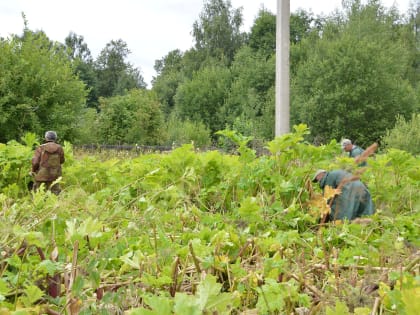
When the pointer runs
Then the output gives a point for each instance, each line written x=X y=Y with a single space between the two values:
x=263 y=33
x=217 y=32
x=132 y=118
x=170 y=75
x=364 y=51
x=181 y=132
x=347 y=85
x=189 y=232
x=201 y=98
x=404 y=298
x=15 y=164
x=300 y=25
x=275 y=297
x=115 y=76
x=249 y=106
x=246 y=154
x=398 y=168
x=38 y=90
x=405 y=135
x=87 y=127
x=340 y=308
x=82 y=60
x=208 y=299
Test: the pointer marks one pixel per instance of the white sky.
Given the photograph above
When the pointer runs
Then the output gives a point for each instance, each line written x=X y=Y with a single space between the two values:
x=151 y=28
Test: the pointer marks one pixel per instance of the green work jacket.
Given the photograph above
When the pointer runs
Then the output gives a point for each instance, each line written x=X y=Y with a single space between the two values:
x=353 y=202
x=355 y=152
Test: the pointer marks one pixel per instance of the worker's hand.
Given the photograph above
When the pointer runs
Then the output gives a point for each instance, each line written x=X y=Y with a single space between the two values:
x=31 y=173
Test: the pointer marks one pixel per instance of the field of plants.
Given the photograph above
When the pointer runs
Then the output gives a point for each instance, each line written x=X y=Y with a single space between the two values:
x=190 y=232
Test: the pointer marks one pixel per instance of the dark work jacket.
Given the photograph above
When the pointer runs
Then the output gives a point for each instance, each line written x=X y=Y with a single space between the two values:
x=353 y=202
x=47 y=160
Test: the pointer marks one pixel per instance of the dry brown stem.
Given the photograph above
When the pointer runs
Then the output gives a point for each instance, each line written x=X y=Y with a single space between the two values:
x=310 y=287
x=195 y=259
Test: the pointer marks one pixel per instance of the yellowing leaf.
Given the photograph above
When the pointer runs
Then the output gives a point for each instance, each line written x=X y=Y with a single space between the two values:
x=319 y=206
x=223 y=259
x=362 y=311
x=330 y=192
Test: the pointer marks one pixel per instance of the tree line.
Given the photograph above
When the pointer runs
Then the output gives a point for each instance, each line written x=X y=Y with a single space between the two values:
x=354 y=74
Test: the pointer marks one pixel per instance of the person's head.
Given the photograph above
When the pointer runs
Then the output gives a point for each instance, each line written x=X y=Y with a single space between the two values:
x=346 y=145
x=318 y=175
x=50 y=136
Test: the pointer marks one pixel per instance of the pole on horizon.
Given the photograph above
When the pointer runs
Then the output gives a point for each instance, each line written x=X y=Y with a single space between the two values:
x=282 y=113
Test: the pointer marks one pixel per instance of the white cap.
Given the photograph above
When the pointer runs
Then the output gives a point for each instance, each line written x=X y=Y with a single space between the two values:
x=345 y=142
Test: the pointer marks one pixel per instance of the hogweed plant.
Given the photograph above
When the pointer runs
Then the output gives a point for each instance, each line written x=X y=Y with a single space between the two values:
x=189 y=232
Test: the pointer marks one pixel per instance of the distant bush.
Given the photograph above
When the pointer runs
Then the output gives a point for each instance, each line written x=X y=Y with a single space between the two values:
x=181 y=132
x=405 y=135
x=87 y=127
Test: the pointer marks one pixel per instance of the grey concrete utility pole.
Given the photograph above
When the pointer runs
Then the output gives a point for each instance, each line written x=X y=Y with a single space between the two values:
x=282 y=115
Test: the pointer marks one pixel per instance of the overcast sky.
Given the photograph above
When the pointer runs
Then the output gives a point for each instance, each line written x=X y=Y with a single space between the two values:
x=151 y=28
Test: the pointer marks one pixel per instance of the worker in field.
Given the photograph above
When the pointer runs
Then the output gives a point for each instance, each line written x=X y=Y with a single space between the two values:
x=46 y=163
x=353 y=150
x=352 y=199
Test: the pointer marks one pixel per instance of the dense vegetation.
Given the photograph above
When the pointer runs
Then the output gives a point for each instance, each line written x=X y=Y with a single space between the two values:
x=352 y=73
x=207 y=233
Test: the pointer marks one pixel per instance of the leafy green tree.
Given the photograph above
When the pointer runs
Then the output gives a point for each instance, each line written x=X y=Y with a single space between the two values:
x=413 y=39
x=194 y=60
x=38 y=88
x=301 y=49
x=217 y=37
x=218 y=30
x=115 y=75
x=354 y=82
x=83 y=64
x=165 y=87
x=249 y=106
x=171 y=62
x=77 y=48
x=262 y=37
x=300 y=25
x=201 y=98
x=263 y=33
x=129 y=79
x=169 y=71
x=132 y=118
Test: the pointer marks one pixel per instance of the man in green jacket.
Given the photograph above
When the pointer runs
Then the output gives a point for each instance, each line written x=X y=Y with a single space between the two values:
x=353 y=150
x=354 y=201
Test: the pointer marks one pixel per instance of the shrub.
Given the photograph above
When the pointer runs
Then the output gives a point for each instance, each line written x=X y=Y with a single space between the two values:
x=405 y=135
x=181 y=132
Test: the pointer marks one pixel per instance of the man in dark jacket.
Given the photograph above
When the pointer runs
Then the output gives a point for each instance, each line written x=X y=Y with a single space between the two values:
x=46 y=163
x=352 y=202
